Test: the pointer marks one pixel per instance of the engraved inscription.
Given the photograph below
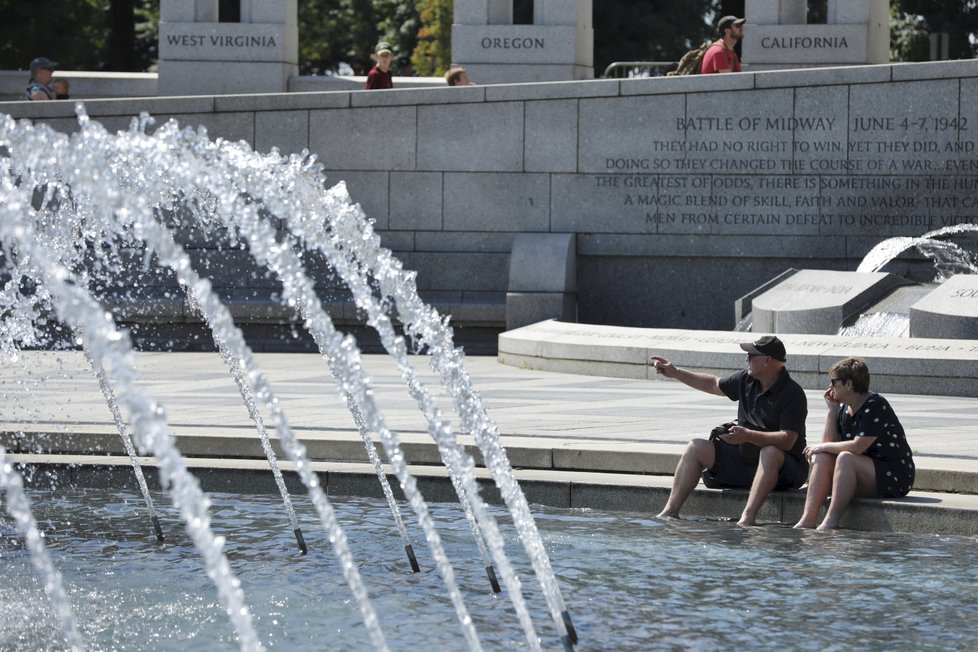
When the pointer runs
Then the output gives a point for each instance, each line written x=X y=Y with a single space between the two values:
x=812 y=174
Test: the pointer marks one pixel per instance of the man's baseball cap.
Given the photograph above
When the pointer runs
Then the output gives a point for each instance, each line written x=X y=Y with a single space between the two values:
x=383 y=47
x=42 y=62
x=767 y=345
x=730 y=21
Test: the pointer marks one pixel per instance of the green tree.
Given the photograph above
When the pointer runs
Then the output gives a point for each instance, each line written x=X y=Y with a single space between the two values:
x=399 y=25
x=649 y=30
x=335 y=32
x=433 y=54
x=72 y=33
x=146 y=34
x=916 y=19
x=909 y=40
x=117 y=35
x=320 y=37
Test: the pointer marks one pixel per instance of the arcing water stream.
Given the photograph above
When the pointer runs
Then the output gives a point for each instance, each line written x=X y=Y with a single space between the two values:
x=71 y=203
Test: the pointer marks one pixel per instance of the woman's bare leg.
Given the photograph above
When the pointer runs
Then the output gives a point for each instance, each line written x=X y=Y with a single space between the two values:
x=819 y=486
x=853 y=474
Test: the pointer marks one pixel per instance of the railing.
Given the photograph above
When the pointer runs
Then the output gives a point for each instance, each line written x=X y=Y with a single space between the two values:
x=627 y=69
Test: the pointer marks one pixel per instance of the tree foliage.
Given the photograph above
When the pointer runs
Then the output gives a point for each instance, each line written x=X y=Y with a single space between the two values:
x=116 y=35
x=909 y=40
x=649 y=30
x=121 y=35
x=433 y=54
x=337 y=32
x=912 y=22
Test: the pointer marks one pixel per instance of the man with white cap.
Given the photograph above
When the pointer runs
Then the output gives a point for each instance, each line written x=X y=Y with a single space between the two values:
x=42 y=69
x=720 y=57
x=764 y=449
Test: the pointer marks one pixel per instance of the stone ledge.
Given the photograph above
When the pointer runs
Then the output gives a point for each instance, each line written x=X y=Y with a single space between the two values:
x=607 y=459
x=921 y=512
x=900 y=365
x=824 y=76
x=556 y=90
x=484 y=311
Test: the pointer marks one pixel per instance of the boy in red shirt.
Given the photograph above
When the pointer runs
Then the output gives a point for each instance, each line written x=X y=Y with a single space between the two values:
x=380 y=76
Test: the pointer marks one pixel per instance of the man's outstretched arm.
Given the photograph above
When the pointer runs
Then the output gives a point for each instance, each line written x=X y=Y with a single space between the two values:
x=704 y=382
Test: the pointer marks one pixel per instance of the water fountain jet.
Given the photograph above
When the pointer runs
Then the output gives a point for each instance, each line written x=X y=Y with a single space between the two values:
x=79 y=190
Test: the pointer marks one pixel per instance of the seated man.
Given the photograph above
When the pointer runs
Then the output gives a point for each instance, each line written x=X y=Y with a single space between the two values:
x=763 y=452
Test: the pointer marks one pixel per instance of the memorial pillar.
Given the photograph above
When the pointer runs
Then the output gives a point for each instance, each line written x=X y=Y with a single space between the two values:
x=199 y=55
x=778 y=35
x=557 y=46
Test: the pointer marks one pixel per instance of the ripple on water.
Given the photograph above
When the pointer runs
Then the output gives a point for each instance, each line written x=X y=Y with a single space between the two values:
x=631 y=582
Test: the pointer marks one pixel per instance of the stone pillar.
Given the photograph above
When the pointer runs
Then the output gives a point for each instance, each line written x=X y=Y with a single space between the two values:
x=777 y=34
x=201 y=56
x=558 y=46
x=542 y=279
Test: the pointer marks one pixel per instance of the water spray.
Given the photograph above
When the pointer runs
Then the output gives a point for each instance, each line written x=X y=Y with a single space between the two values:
x=382 y=478
x=123 y=429
x=19 y=507
x=234 y=367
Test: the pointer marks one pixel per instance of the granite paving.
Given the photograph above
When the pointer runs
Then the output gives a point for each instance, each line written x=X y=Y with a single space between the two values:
x=614 y=442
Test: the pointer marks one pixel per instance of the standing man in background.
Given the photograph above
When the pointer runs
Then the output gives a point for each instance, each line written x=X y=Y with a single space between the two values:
x=720 y=57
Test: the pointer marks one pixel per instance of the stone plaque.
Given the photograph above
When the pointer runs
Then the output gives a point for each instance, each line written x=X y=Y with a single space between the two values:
x=819 y=301
x=950 y=311
x=803 y=44
x=226 y=42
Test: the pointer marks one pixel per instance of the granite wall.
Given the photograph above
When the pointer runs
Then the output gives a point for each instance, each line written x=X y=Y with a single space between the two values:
x=683 y=193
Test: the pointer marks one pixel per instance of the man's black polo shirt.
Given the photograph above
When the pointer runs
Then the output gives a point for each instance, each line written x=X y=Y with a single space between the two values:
x=783 y=406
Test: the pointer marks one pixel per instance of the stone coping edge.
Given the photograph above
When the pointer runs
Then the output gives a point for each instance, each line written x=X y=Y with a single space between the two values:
x=927 y=366
x=605 y=458
x=927 y=513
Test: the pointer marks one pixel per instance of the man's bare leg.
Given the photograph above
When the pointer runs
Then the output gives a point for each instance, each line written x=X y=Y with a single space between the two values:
x=699 y=455
x=768 y=467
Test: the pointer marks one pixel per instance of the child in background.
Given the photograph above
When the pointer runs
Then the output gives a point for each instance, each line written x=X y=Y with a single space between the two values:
x=380 y=76
x=61 y=88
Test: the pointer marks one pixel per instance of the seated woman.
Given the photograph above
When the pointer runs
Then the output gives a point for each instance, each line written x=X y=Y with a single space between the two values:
x=864 y=450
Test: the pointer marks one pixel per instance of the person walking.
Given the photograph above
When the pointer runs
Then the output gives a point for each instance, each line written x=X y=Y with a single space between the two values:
x=720 y=57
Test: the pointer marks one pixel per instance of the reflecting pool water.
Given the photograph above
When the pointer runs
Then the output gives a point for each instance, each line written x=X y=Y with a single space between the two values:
x=632 y=583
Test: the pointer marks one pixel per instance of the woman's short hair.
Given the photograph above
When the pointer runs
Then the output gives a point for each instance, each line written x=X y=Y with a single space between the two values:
x=854 y=369
x=453 y=75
